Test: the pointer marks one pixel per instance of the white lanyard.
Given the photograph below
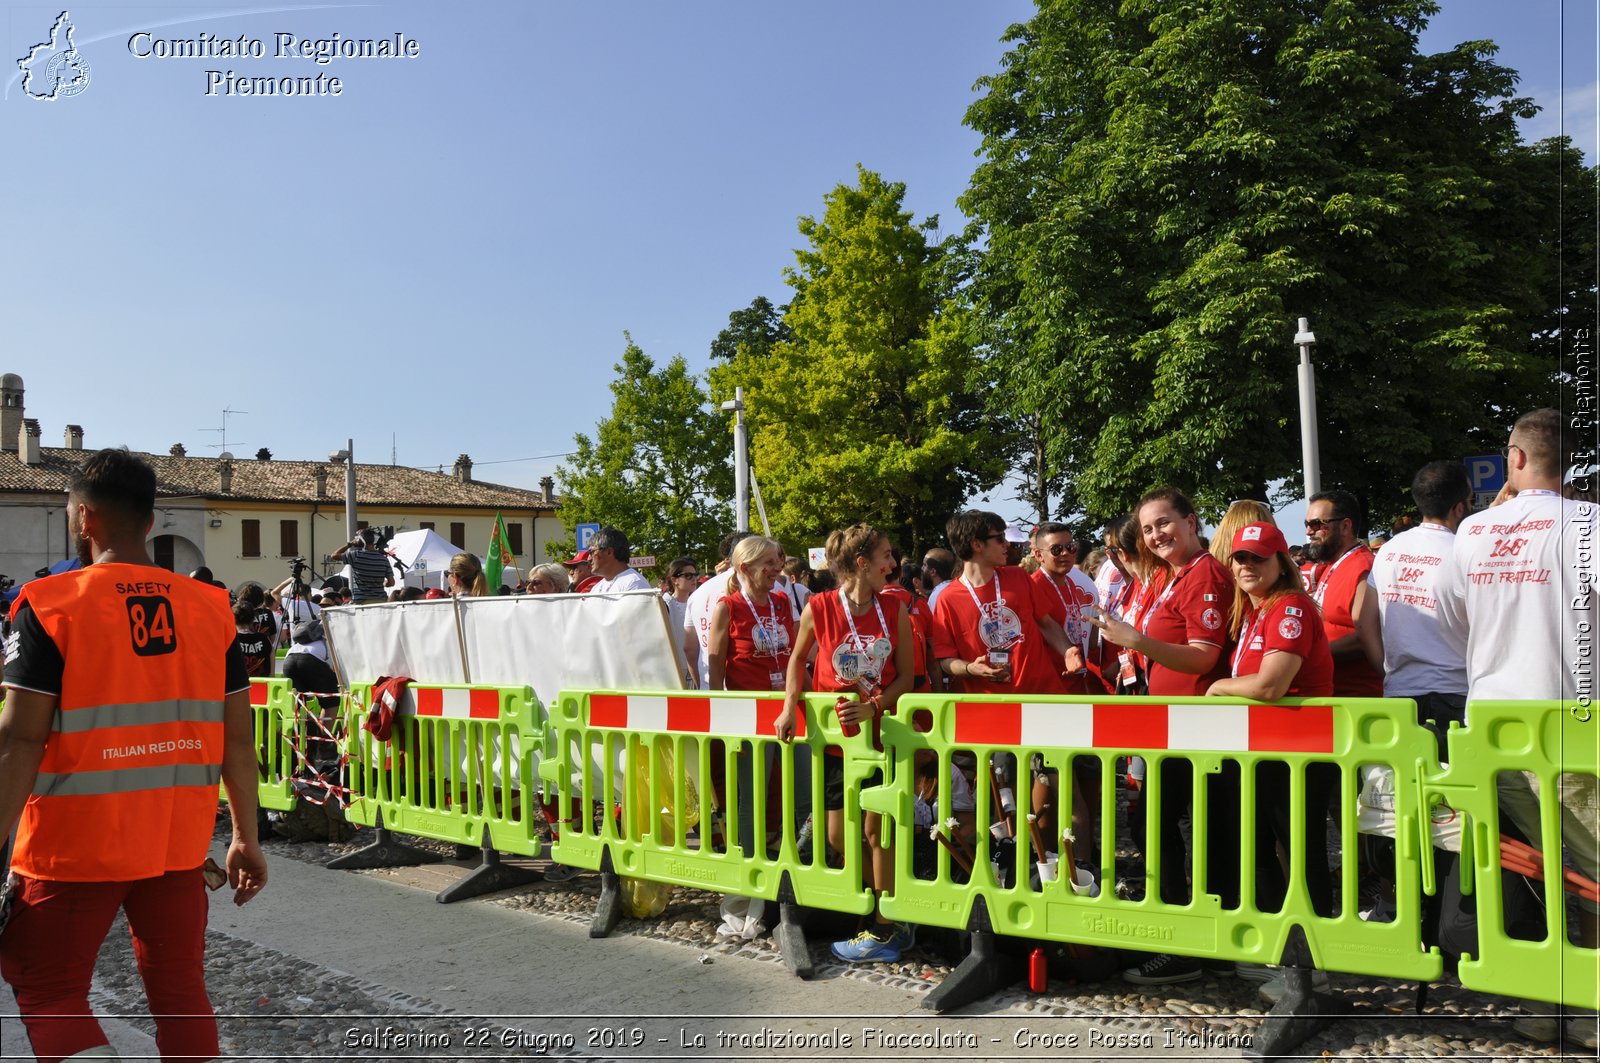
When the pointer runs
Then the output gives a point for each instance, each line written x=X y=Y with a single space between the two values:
x=882 y=623
x=1244 y=643
x=1533 y=491
x=1166 y=592
x=999 y=600
x=772 y=632
x=1074 y=610
x=1320 y=591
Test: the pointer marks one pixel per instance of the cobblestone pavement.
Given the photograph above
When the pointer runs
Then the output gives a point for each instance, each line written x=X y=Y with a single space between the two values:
x=280 y=1006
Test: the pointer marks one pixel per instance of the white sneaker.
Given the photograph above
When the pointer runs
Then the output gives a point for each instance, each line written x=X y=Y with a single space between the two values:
x=1273 y=988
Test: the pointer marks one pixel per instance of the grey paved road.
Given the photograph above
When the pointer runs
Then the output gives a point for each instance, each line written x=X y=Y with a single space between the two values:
x=327 y=965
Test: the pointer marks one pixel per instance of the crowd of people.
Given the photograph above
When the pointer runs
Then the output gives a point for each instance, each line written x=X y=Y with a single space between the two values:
x=1461 y=607
x=1152 y=606
x=1456 y=607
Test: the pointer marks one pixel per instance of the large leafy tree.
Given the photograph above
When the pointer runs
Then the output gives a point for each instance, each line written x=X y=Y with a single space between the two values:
x=757 y=328
x=1166 y=187
x=865 y=411
x=657 y=467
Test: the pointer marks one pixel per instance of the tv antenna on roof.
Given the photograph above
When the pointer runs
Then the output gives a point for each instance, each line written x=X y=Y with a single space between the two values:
x=223 y=446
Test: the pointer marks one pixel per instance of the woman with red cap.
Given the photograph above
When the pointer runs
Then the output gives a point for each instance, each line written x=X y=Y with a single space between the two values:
x=1282 y=652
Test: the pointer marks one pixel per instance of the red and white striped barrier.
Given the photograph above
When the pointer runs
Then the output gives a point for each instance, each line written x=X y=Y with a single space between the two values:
x=474 y=704
x=690 y=714
x=1197 y=728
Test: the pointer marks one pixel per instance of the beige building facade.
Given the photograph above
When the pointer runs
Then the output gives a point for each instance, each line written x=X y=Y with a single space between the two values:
x=248 y=519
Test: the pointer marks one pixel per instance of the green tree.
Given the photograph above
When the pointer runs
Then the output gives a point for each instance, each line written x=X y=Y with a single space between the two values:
x=1166 y=187
x=865 y=412
x=758 y=327
x=658 y=466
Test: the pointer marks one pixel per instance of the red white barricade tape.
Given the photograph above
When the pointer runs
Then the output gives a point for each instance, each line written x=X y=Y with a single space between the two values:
x=689 y=714
x=1189 y=728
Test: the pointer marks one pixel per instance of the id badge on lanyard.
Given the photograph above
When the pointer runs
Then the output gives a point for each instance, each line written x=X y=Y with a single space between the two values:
x=1128 y=674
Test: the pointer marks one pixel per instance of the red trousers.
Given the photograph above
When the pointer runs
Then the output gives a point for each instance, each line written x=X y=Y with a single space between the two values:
x=48 y=951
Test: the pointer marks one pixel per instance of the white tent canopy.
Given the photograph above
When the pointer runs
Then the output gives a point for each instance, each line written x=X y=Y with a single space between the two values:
x=425 y=554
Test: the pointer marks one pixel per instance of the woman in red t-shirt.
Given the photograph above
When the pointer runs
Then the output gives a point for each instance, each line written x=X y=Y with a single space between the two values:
x=1282 y=652
x=1179 y=636
x=752 y=629
x=862 y=639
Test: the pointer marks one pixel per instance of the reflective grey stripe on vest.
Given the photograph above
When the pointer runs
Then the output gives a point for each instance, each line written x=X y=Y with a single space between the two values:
x=143 y=714
x=126 y=780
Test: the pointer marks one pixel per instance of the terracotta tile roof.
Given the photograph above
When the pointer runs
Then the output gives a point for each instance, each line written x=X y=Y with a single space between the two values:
x=280 y=481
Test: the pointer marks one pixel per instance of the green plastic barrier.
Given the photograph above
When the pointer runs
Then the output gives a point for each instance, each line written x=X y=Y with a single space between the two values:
x=1547 y=739
x=932 y=729
x=460 y=758
x=272 y=704
x=613 y=751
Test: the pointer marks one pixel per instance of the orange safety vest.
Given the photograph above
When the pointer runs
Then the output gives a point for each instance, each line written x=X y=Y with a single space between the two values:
x=127 y=788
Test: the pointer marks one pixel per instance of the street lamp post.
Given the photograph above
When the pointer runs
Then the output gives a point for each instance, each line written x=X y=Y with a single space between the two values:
x=1310 y=459
x=741 y=462
x=348 y=456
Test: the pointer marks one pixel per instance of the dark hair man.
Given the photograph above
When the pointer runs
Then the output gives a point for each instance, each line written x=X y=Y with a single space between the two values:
x=1336 y=579
x=993 y=632
x=370 y=571
x=1070 y=597
x=1401 y=636
x=609 y=553
x=941 y=564
x=127 y=701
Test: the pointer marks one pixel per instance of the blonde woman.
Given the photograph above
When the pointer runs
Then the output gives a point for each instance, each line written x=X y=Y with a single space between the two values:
x=752 y=629
x=1245 y=511
x=752 y=633
x=549 y=578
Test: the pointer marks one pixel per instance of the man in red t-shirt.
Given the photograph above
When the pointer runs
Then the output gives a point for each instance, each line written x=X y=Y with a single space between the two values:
x=1337 y=582
x=991 y=632
x=1070 y=596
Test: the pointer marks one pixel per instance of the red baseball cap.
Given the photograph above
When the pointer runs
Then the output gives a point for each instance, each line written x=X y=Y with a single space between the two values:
x=1262 y=539
x=579 y=558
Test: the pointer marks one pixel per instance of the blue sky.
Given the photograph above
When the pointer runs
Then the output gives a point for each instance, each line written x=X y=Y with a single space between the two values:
x=443 y=259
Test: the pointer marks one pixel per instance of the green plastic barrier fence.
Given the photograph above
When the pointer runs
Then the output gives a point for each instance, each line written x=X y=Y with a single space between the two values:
x=272 y=704
x=615 y=750
x=932 y=731
x=460 y=759
x=1502 y=740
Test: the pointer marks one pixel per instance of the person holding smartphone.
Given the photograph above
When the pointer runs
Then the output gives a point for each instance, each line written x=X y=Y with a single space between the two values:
x=1179 y=639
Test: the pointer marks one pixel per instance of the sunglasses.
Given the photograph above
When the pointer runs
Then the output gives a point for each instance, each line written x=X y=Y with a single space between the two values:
x=1062 y=548
x=992 y=536
x=1313 y=525
x=687 y=575
x=1244 y=558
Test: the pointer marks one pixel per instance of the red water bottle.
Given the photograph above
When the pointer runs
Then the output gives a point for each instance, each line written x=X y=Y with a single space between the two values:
x=1038 y=971
x=850 y=730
